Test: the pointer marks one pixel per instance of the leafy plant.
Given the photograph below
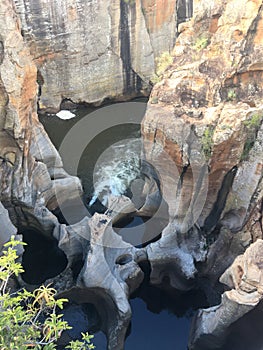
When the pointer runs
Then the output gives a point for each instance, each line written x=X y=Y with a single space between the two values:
x=201 y=43
x=231 y=95
x=254 y=122
x=252 y=126
x=129 y=2
x=162 y=62
x=82 y=345
x=155 y=79
x=28 y=320
x=207 y=141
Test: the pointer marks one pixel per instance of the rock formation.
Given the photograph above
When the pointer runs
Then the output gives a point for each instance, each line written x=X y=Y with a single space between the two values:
x=202 y=133
x=89 y=52
x=245 y=281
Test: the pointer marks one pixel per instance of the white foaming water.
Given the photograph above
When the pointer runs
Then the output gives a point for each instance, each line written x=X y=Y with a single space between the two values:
x=65 y=114
x=115 y=169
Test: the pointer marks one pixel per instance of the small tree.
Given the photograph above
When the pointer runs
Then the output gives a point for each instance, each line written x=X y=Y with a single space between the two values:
x=28 y=320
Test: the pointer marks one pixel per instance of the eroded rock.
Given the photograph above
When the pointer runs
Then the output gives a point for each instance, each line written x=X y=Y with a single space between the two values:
x=245 y=281
x=109 y=275
x=195 y=131
x=7 y=228
x=203 y=129
x=125 y=37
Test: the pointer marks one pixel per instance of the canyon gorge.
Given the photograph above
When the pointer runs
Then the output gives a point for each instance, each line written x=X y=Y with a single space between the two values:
x=201 y=154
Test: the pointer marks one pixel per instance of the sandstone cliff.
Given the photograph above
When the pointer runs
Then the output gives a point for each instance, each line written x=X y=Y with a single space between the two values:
x=202 y=133
x=203 y=125
x=29 y=161
x=96 y=50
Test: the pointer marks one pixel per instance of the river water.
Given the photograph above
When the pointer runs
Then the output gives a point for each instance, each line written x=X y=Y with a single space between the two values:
x=110 y=164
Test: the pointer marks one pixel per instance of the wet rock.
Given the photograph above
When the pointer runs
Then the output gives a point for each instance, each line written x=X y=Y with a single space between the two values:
x=119 y=207
x=174 y=256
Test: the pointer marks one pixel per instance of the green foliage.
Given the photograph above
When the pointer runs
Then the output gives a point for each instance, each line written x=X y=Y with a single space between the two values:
x=252 y=126
x=207 y=141
x=28 y=320
x=231 y=95
x=254 y=122
x=162 y=62
x=82 y=345
x=129 y=2
x=154 y=100
x=201 y=43
x=156 y=79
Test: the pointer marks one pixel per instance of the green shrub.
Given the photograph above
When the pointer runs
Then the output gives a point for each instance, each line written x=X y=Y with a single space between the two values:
x=155 y=79
x=231 y=95
x=28 y=320
x=201 y=43
x=254 y=122
x=207 y=141
x=252 y=126
x=163 y=62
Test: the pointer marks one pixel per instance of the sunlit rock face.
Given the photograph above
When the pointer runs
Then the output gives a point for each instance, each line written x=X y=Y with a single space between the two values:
x=93 y=50
x=203 y=125
x=202 y=133
x=29 y=163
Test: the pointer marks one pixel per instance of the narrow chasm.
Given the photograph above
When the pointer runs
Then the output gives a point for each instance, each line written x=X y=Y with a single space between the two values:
x=111 y=165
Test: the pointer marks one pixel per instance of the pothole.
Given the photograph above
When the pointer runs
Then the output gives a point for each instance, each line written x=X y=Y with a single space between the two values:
x=42 y=258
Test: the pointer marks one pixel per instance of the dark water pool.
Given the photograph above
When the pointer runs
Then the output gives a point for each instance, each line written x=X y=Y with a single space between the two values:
x=149 y=331
x=154 y=331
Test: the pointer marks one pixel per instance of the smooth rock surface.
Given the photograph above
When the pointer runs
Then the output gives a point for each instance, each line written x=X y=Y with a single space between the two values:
x=202 y=134
x=93 y=50
x=245 y=281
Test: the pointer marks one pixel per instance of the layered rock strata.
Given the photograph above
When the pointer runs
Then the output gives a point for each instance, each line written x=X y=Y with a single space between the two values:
x=92 y=51
x=203 y=129
x=202 y=134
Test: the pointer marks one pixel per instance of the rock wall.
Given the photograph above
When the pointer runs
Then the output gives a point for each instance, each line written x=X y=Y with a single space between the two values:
x=203 y=125
x=29 y=163
x=203 y=132
x=96 y=50
x=244 y=280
